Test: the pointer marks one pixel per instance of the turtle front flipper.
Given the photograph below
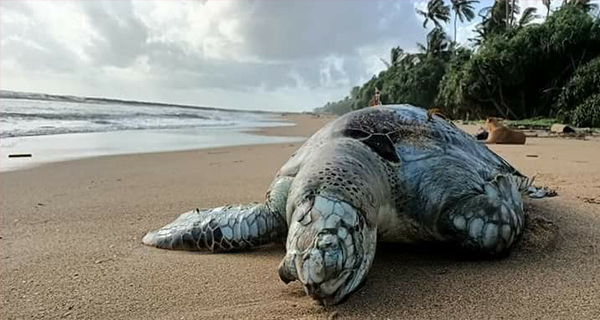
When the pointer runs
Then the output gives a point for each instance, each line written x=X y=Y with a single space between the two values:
x=220 y=229
x=227 y=228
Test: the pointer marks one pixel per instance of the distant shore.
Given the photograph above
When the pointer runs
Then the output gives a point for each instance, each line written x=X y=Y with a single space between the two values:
x=8 y=94
x=70 y=243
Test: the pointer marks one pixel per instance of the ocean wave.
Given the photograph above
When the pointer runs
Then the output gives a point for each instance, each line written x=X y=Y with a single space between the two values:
x=93 y=116
x=50 y=130
x=36 y=117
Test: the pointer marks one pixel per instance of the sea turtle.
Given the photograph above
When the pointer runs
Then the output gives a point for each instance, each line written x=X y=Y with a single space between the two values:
x=393 y=173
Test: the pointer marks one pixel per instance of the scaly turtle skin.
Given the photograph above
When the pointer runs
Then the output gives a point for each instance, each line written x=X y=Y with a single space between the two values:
x=391 y=173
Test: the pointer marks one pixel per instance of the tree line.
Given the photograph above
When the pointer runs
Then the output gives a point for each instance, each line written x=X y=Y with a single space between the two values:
x=514 y=68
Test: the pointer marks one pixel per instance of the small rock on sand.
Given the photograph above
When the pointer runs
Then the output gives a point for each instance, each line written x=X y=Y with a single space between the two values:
x=561 y=128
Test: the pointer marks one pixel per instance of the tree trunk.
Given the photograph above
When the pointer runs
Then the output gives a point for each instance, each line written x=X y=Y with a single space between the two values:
x=512 y=12
x=506 y=105
x=524 y=113
x=499 y=109
x=506 y=13
x=455 y=16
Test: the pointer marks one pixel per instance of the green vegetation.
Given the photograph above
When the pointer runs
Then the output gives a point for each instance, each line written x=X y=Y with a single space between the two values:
x=516 y=69
x=578 y=90
x=533 y=123
x=587 y=114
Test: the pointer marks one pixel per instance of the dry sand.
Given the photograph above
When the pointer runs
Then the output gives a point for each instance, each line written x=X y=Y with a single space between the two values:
x=70 y=244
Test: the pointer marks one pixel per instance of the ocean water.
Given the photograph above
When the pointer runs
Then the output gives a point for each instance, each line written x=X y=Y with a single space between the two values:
x=24 y=117
x=56 y=130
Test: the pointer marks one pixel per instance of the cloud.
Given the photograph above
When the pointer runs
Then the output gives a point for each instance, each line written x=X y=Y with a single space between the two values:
x=285 y=55
x=120 y=36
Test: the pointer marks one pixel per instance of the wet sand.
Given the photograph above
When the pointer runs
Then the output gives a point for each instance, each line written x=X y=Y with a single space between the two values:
x=70 y=244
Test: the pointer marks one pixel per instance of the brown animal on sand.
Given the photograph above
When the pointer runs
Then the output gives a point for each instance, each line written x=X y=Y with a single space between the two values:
x=499 y=134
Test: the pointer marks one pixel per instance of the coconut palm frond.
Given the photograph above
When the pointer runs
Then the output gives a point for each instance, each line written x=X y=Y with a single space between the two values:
x=529 y=14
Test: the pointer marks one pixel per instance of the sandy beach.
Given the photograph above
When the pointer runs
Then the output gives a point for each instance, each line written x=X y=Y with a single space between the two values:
x=71 y=232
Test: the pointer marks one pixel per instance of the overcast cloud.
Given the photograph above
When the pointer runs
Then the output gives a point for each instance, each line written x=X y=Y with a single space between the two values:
x=269 y=55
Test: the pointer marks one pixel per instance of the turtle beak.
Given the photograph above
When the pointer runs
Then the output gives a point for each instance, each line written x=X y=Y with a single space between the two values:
x=320 y=271
x=330 y=292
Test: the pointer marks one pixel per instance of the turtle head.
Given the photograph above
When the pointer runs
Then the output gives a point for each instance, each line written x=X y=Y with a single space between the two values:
x=330 y=249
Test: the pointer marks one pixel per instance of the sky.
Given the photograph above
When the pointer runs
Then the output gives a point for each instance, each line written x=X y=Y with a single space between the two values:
x=254 y=55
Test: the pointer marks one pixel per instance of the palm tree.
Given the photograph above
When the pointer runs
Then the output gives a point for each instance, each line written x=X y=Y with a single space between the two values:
x=437 y=42
x=463 y=10
x=436 y=12
x=497 y=16
x=529 y=14
x=501 y=16
x=547 y=5
x=494 y=19
x=511 y=18
x=396 y=56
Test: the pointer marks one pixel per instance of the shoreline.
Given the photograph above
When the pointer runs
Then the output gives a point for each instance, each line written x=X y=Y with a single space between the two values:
x=70 y=244
x=187 y=139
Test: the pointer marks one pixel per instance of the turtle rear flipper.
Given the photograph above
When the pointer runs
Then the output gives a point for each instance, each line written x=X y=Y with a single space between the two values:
x=220 y=229
x=491 y=222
